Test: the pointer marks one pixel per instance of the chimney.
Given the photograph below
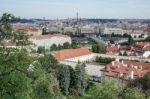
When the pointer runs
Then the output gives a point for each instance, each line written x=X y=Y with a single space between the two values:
x=132 y=74
x=113 y=63
x=122 y=62
x=117 y=59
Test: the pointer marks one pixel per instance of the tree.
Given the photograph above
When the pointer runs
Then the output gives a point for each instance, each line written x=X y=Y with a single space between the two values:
x=147 y=39
x=65 y=80
x=44 y=31
x=53 y=47
x=74 y=45
x=125 y=54
x=5 y=26
x=107 y=89
x=59 y=47
x=104 y=60
x=132 y=93
x=143 y=83
x=41 y=49
x=120 y=54
x=48 y=62
x=66 y=45
x=21 y=38
x=15 y=83
x=81 y=81
x=45 y=85
x=98 y=48
x=130 y=41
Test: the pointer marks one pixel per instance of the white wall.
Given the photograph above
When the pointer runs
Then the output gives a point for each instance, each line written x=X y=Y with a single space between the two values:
x=84 y=58
x=47 y=43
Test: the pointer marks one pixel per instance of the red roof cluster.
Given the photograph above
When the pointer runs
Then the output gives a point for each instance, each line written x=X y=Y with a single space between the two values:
x=143 y=46
x=127 y=70
x=48 y=36
x=71 y=53
x=114 y=48
x=25 y=28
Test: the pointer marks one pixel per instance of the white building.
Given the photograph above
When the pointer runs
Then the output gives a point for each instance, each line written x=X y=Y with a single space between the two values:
x=48 y=40
x=87 y=29
x=112 y=30
x=146 y=54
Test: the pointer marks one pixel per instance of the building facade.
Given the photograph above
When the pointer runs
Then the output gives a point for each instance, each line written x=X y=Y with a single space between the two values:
x=48 y=40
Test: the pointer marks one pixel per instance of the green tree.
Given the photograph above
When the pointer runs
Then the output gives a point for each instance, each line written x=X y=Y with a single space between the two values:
x=125 y=54
x=5 y=26
x=147 y=39
x=98 y=48
x=44 y=31
x=66 y=45
x=48 y=62
x=81 y=80
x=53 y=47
x=104 y=60
x=46 y=87
x=132 y=93
x=41 y=49
x=143 y=83
x=59 y=47
x=74 y=45
x=21 y=38
x=15 y=83
x=65 y=80
x=107 y=89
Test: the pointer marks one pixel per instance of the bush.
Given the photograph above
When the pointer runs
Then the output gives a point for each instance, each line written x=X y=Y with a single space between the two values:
x=104 y=60
x=41 y=49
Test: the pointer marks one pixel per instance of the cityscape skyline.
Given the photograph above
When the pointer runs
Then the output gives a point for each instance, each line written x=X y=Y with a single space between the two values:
x=53 y=9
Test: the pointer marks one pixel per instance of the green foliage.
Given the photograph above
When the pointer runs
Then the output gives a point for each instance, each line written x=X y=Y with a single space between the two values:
x=60 y=47
x=104 y=60
x=147 y=39
x=21 y=38
x=48 y=62
x=132 y=93
x=53 y=47
x=14 y=83
x=46 y=87
x=81 y=81
x=41 y=49
x=5 y=26
x=74 y=45
x=107 y=89
x=65 y=80
x=66 y=45
x=125 y=54
x=143 y=83
x=98 y=48
x=44 y=31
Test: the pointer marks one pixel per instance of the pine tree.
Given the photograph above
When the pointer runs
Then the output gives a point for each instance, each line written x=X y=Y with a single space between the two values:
x=65 y=79
x=81 y=82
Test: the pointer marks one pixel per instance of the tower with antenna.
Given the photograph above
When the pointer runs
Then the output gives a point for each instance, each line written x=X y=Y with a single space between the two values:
x=77 y=24
x=77 y=18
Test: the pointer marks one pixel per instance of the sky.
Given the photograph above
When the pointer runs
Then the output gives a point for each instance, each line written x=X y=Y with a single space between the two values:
x=62 y=9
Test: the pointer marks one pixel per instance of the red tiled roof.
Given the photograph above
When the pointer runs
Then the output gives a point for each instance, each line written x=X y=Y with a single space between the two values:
x=142 y=44
x=112 y=49
x=124 y=68
x=146 y=48
x=71 y=53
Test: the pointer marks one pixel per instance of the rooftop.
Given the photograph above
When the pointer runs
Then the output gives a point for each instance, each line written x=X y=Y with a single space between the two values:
x=71 y=53
x=123 y=69
x=48 y=36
